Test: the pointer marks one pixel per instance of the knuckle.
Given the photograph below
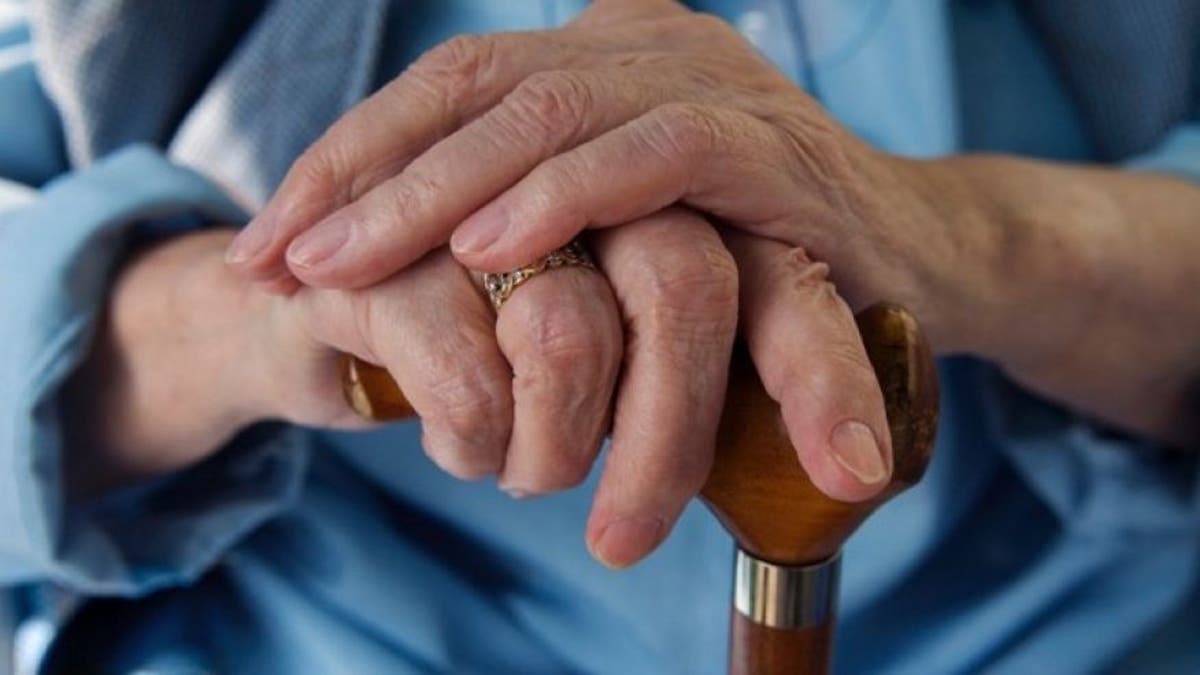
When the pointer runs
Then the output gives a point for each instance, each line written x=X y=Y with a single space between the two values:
x=561 y=337
x=395 y=202
x=455 y=67
x=318 y=174
x=691 y=303
x=722 y=278
x=461 y=57
x=419 y=187
x=682 y=131
x=808 y=283
x=464 y=406
x=803 y=274
x=411 y=190
x=557 y=101
x=466 y=403
x=703 y=276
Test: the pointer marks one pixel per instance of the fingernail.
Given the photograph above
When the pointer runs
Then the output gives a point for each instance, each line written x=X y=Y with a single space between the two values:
x=319 y=244
x=250 y=241
x=480 y=230
x=855 y=448
x=625 y=541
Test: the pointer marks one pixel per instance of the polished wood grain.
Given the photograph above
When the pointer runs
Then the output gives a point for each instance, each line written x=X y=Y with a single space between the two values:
x=755 y=649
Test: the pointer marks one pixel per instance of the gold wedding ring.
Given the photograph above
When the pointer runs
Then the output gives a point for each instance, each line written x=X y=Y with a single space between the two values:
x=499 y=286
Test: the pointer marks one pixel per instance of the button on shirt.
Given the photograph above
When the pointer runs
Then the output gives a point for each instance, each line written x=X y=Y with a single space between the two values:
x=1038 y=542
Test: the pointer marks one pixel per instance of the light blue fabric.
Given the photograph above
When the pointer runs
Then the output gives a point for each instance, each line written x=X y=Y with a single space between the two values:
x=32 y=148
x=56 y=266
x=1036 y=543
x=1176 y=154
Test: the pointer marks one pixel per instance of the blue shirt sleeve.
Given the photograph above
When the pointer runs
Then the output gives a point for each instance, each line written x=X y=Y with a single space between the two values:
x=1133 y=484
x=57 y=253
x=1178 y=154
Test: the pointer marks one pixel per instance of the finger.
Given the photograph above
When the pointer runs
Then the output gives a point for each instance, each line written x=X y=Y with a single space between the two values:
x=435 y=333
x=442 y=90
x=550 y=108
x=677 y=288
x=720 y=161
x=804 y=343
x=402 y=218
x=561 y=333
x=405 y=216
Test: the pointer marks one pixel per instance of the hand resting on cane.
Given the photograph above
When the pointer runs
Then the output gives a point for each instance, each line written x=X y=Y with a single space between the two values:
x=508 y=145
x=190 y=354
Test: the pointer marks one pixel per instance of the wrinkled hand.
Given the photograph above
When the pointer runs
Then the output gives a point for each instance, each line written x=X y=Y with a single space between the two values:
x=526 y=393
x=514 y=143
x=537 y=423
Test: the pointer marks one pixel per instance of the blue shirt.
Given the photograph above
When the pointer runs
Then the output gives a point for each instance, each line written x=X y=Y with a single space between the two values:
x=1037 y=541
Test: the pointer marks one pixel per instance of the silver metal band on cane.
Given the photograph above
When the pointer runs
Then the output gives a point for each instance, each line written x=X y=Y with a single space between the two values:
x=784 y=596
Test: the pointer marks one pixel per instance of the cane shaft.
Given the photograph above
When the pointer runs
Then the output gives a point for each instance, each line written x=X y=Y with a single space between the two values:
x=755 y=649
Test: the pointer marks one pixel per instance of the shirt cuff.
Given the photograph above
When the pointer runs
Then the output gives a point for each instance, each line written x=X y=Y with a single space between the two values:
x=56 y=258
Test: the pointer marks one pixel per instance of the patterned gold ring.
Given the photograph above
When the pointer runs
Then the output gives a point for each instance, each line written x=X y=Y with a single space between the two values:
x=499 y=286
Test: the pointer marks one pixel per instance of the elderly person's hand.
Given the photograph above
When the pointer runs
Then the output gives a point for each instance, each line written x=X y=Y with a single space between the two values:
x=516 y=142
x=392 y=179
x=513 y=143
x=188 y=355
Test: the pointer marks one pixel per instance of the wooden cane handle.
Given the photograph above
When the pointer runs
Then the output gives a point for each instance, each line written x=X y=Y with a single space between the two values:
x=757 y=472
x=759 y=492
x=372 y=393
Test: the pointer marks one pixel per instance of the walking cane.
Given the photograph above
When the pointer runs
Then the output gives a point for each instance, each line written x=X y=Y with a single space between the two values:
x=789 y=534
